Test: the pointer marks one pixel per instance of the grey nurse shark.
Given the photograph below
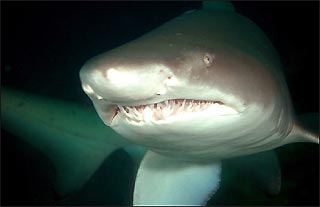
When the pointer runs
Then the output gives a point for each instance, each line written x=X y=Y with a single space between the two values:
x=203 y=87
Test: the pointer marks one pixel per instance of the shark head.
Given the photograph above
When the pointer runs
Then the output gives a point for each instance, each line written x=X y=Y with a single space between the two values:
x=194 y=91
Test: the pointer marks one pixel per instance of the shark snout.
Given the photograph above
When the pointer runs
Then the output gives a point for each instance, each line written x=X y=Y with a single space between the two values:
x=126 y=84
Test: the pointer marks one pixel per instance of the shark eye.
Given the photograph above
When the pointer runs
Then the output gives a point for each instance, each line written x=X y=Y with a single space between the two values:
x=207 y=59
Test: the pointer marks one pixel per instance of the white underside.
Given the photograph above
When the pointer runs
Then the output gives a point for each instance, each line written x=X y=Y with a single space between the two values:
x=205 y=135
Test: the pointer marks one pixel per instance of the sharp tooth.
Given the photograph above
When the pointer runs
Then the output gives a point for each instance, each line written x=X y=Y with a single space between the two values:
x=140 y=110
x=170 y=107
x=122 y=110
x=176 y=107
x=130 y=111
x=148 y=113
x=173 y=106
x=162 y=105
x=136 y=113
x=171 y=103
x=170 y=111
x=167 y=103
x=154 y=111
x=201 y=105
x=183 y=103
x=189 y=108
x=207 y=105
x=180 y=107
x=196 y=107
x=131 y=115
x=158 y=110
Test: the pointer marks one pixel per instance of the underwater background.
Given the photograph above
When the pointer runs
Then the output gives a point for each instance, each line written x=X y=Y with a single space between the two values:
x=44 y=45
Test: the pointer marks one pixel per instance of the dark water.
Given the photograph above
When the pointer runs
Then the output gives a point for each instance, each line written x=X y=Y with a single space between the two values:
x=45 y=44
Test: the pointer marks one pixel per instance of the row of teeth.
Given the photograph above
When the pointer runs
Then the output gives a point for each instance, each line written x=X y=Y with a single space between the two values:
x=162 y=110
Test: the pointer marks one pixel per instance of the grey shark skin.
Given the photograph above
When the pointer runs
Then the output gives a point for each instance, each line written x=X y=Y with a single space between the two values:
x=203 y=87
x=219 y=58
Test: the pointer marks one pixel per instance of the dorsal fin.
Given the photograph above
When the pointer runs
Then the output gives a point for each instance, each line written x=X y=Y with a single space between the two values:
x=217 y=5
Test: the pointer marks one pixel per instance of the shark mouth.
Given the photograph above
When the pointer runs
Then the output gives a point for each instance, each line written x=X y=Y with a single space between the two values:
x=169 y=109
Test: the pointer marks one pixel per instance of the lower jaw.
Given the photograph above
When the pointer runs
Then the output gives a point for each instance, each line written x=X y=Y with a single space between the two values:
x=171 y=144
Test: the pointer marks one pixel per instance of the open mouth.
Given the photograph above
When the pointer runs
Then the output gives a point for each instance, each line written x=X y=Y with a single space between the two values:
x=160 y=111
x=170 y=108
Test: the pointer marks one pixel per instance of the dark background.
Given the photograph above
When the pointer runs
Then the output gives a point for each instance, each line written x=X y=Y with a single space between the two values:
x=44 y=44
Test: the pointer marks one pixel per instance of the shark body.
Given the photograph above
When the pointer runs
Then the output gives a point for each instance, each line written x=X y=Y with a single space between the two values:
x=213 y=70
x=203 y=87
x=167 y=146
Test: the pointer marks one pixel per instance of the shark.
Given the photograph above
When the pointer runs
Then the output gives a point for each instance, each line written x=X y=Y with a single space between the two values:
x=204 y=87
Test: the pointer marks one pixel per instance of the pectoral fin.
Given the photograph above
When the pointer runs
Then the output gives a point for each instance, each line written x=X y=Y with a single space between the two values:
x=305 y=129
x=165 y=181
